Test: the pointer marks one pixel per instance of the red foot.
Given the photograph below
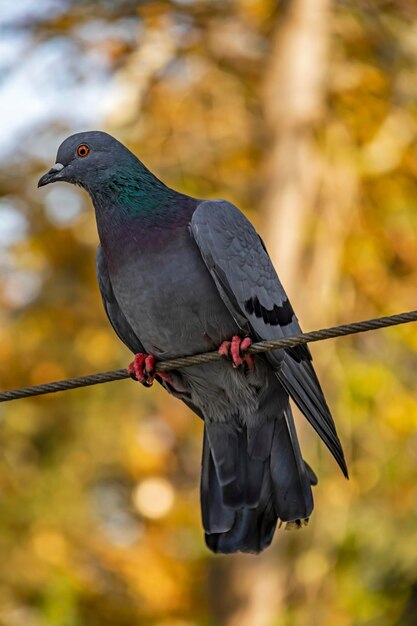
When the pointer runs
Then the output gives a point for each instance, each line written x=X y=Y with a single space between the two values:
x=142 y=369
x=236 y=350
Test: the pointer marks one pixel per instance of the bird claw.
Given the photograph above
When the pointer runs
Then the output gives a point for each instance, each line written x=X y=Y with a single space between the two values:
x=142 y=369
x=237 y=351
x=297 y=524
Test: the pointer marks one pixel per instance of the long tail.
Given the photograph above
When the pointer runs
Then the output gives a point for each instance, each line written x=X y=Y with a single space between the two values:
x=250 y=478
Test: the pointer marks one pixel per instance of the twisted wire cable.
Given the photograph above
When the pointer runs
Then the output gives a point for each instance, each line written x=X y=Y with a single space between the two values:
x=210 y=357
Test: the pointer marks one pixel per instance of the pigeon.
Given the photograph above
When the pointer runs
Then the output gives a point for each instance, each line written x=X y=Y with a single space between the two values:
x=178 y=276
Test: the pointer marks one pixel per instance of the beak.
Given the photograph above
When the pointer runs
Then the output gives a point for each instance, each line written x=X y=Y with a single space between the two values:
x=51 y=176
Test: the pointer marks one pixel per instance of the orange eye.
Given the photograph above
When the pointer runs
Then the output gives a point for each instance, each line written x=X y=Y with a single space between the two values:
x=83 y=150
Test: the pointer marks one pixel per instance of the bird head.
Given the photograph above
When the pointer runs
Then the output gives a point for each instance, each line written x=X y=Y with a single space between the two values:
x=84 y=159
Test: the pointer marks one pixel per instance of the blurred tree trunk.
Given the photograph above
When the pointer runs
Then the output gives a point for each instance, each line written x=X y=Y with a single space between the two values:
x=310 y=191
x=294 y=95
x=293 y=99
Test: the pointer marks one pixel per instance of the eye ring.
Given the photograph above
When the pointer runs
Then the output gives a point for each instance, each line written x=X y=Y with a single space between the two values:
x=83 y=150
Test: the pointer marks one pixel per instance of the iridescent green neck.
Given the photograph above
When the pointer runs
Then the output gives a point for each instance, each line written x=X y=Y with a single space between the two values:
x=130 y=190
x=134 y=208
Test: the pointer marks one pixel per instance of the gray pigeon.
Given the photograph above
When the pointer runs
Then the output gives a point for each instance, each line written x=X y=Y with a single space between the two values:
x=180 y=276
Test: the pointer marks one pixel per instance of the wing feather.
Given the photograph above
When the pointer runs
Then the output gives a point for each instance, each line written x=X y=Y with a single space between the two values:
x=249 y=286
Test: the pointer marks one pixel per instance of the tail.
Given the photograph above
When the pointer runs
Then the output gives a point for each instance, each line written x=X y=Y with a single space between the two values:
x=251 y=477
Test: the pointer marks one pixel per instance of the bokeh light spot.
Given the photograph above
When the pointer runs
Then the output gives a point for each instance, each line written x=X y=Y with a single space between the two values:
x=153 y=497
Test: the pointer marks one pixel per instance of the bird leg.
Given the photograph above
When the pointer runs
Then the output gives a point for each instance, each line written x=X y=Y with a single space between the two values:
x=237 y=351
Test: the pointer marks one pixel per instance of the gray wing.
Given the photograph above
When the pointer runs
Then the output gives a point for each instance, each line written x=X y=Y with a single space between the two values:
x=116 y=318
x=248 y=284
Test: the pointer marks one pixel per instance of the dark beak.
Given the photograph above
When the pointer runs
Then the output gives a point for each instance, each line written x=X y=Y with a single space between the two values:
x=53 y=175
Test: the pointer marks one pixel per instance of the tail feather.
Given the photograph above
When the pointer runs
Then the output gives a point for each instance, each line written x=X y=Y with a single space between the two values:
x=252 y=529
x=246 y=487
x=239 y=475
x=292 y=487
x=260 y=440
x=217 y=518
x=311 y=475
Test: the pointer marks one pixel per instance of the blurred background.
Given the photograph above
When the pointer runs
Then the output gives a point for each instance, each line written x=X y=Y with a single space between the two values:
x=304 y=114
